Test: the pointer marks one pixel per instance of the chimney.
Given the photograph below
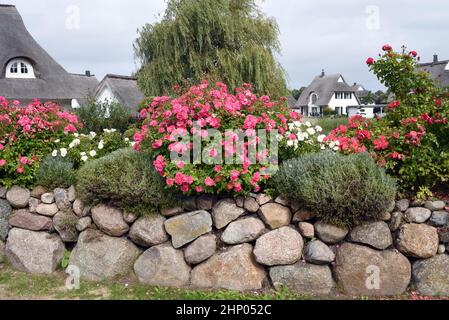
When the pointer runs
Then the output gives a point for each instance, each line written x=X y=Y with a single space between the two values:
x=88 y=74
x=322 y=73
x=435 y=58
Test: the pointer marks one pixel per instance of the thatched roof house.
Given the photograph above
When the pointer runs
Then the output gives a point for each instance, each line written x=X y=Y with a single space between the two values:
x=28 y=71
x=438 y=70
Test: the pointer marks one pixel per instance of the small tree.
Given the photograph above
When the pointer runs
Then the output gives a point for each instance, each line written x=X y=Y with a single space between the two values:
x=219 y=40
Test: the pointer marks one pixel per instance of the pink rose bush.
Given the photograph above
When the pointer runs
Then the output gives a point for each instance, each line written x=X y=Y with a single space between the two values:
x=27 y=135
x=215 y=120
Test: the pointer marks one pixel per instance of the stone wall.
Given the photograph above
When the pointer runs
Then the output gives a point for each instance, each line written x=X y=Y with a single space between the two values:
x=224 y=243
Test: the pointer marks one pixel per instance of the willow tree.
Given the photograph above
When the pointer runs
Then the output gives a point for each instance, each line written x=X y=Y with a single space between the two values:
x=220 y=40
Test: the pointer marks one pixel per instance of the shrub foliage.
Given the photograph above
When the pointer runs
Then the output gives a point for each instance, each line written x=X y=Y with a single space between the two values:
x=56 y=172
x=343 y=190
x=125 y=179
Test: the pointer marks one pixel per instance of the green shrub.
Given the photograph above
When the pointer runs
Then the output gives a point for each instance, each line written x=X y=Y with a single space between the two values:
x=97 y=116
x=126 y=179
x=56 y=172
x=342 y=190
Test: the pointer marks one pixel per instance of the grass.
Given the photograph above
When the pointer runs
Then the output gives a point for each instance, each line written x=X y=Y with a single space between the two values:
x=328 y=124
x=18 y=285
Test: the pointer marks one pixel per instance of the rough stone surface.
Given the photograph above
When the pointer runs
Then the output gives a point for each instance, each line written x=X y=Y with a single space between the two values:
x=263 y=199
x=417 y=215
x=162 y=265
x=435 y=205
x=226 y=211
x=307 y=230
x=3 y=191
x=279 y=247
x=109 y=220
x=71 y=193
x=417 y=240
x=100 y=257
x=205 y=202
x=441 y=249
x=149 y=231
x=386 y=216
x=187 y=227
x=2 y=252
x=251 y=205
x=283 y=201
x=37 y=192
x=329 y=233
x=303 y=215
x=431 y=276
x=304 y=278
x=244 y=230
x=5 y=212
x=83 y=223
x=444 y=235
x=233 y=269
x=34 y=252
x=18 y=197
x=402 y=205
x=356 y=266
x=201 y=249
x=189 y=204
x=65 y=223
x=171 y=212
x=275 y=215
x=240 y=201
x=33 y=203
x=48 y=210
x=317 y=252
x=374 y=234
x=129 y=217
x=48 y=198
x=25 y=220
x=439 y=218
x=62 y=199
x=396 y=221
x=79 y=208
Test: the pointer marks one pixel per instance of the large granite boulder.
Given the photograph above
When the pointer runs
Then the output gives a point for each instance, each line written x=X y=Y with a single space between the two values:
x=431 y=276
x=187 y=227
x=34 y=252
x=100 y=257
x=233 y=269
x=201 y=249
x=226 y=211
x=317 y=252
x=65 y=224
x=244 y=230
x=149 y=231
x=279 y=247
x=275 y=215
x=303 y=278
x=18 y=197
x=162 y=265
x=364 y=271
x=417 y=240
x=5 y=212
x=329 y=233
x=26 y=220
x=109 y=220
x=374 y=234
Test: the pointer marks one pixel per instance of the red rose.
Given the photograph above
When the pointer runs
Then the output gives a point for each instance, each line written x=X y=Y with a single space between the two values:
x=387 y=47
x=370 y=61
x=413 y=54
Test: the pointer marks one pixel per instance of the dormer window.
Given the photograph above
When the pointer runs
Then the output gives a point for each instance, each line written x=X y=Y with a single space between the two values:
x=313 y=98
x=19 y=69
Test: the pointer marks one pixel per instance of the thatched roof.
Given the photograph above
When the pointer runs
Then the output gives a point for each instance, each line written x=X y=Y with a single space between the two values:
x=124 y=88
x=324 y=86
x=438 y=70
x=52 y=81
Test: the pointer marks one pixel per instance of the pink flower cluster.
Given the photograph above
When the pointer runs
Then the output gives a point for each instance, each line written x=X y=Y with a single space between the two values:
x=201 y=108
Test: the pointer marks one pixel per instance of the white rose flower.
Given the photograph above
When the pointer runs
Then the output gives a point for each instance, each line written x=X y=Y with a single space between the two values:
x=76 y=135
x=300 y=136
x=336 y=148
x=318 y=129
x=101 y=145
x=311 y=131
x=126 y=139
x=306 y=135
x=113 y=130
x=83 y=154
x=84 y=158
x=92 y=135
x=332 y=145
x=54 y=154
x=57 y=141
x=297 y=124
x=321 y=138
x=323 y=147
x=93 y=153
x=290 y=143
x=308 y=124
x=63 y=152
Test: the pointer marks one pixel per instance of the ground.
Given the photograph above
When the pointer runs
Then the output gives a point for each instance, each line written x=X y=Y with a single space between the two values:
x=328 y=123
x=16 y=285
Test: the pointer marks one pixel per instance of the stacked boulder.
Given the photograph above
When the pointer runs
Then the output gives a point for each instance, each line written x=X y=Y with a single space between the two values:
x=225 y=243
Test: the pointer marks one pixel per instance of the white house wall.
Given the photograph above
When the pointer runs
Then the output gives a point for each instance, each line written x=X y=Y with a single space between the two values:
x=343 y=103
x=106 y=96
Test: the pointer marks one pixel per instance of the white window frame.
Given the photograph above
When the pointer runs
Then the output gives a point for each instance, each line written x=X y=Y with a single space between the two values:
x=19 y=69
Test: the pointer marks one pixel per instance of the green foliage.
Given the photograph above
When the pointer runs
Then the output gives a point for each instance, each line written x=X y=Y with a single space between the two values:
x=328 y=124
x=96 y=116
x=296 y=93
x=56 y=172
x=327 y=112
x=126 y=179
x=343 y=190
x=65 y=259
x=230 y=41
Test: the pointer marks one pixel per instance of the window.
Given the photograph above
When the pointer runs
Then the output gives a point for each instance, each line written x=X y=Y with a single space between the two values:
x=19 y=69
x=313 y=98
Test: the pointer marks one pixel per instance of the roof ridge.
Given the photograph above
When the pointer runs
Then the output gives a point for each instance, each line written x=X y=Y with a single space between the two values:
x=7 y=5
x=118 y=76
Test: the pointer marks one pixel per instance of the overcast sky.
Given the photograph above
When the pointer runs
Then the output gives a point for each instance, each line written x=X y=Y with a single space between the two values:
x=335 y=35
